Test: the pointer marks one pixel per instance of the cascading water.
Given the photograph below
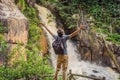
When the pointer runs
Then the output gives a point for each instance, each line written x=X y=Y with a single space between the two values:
x=76 y=65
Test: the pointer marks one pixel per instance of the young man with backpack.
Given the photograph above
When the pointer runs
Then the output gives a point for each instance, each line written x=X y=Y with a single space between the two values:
x=60 y=48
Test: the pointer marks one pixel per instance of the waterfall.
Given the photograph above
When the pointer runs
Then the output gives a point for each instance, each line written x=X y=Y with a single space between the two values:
x=75 y=64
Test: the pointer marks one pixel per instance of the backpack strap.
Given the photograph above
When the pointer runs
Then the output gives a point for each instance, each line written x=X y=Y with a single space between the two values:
x=61 y=41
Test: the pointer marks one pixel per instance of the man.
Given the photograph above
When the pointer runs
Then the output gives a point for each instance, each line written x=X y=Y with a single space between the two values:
x=62 y=59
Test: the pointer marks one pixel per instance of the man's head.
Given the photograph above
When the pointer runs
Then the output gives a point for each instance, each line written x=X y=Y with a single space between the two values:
x=60 y=32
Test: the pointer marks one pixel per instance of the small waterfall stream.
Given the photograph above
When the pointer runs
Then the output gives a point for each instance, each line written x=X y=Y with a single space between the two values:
x=76 y=65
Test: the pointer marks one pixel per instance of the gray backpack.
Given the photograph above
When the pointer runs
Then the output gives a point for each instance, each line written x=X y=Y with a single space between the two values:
x=58 y=46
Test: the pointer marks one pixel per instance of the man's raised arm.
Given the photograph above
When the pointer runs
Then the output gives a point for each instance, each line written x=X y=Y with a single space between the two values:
x=46 y=29
x=76 y=32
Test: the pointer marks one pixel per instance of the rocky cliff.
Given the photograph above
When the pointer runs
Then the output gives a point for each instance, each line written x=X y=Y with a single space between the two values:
x=93 y=47
x=17 y=25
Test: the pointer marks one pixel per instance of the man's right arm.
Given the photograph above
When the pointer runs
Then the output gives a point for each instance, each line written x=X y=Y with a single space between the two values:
x=47 y=29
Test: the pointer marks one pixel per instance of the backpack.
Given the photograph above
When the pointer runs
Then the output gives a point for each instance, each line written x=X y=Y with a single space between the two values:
x=58 y=46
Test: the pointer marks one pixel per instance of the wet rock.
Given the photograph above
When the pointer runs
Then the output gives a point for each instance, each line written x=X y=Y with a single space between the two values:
x=92 y=75
x=95 y=71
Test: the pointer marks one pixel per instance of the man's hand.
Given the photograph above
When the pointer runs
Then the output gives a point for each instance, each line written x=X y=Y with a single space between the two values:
x=82 y=27
x=41 y=24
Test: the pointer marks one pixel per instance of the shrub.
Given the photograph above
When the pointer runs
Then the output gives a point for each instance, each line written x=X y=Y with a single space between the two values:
x=34 y=66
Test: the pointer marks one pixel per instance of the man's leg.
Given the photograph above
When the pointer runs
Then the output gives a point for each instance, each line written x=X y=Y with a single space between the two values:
x=56 y=74
x=58 y=67
x=64 y=67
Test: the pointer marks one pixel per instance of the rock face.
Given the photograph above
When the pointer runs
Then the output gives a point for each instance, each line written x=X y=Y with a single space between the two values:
x=16 y=22
x=92 y=48
x=18 y=30
x=7 y=1
x=116 y=50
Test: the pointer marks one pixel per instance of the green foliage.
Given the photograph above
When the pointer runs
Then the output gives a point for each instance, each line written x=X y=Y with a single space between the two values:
x=34 y=30
x=1 y=38
x=4 y=46
x=50 y=17
x=115 y=38
x=31 y=14
x=33 y=33
x=35 y=66
x=105 y=12
x=34 y=38
x=46 y=2
x=21 y=4
x=2 y=28
x=66 y=10
x=3 y=52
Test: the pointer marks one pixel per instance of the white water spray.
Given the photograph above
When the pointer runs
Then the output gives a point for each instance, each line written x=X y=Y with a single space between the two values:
x=77 y=66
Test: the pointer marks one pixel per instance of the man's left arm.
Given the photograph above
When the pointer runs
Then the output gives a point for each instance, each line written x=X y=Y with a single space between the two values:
x=76 y=32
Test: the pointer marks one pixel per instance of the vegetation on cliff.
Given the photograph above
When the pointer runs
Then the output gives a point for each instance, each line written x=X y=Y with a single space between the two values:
x=105 y=14
x=34 y=66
